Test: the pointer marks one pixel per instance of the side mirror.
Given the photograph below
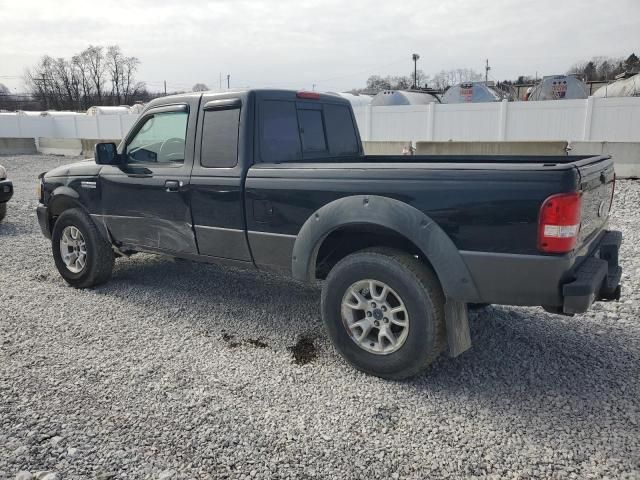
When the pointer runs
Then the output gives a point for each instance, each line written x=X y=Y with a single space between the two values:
x=106 y=154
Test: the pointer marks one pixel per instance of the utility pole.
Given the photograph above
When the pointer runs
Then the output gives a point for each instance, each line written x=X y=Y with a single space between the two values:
x=220 y=81
x=486 y=71
x=313 y=88
x=415 y=57
x=228 y=81
x=165 y=87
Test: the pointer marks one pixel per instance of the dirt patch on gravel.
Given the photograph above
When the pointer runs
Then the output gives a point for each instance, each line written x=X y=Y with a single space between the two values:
x=257 y=343
x=230 y=339
x=304 y=351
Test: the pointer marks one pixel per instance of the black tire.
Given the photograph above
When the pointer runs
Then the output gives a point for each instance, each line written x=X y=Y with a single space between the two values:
x=417 y=285
x=100 y=257
x=3 y=210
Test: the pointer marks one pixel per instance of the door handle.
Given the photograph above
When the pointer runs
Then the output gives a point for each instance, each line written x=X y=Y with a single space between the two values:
x=172 y=185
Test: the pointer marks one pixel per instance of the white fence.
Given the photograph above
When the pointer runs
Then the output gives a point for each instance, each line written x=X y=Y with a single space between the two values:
x=68 y=126
x=593 y=119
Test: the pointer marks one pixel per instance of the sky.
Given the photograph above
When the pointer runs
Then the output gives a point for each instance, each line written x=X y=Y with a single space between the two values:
x=334 y=45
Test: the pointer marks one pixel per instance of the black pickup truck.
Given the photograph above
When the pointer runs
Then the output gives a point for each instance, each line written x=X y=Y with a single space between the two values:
x=6 y=192
x=278 y=180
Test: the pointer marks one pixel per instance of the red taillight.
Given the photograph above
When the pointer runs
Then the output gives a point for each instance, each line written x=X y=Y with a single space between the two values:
x=308 y=95
x=559 y=223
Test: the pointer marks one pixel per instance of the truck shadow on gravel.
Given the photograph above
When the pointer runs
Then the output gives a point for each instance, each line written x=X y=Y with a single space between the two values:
x=517 y=353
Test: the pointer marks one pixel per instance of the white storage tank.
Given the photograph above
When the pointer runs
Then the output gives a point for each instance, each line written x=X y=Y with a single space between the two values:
x=472 y=92
x=623 y=87
x=402 y=97
x=122 y=110
x=56 y=113
x=357 y=100
x=559 y=87
x=136 y=108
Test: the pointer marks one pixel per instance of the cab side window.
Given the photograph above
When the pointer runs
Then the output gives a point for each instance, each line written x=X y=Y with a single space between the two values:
x=160 y=139
x=219 y=147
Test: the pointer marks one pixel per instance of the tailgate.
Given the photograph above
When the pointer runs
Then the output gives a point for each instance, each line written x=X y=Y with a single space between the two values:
x=597 y=181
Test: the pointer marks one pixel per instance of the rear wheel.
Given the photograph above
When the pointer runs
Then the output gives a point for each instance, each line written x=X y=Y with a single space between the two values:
x=3 y=210
x=82 y=256
x=384 y=312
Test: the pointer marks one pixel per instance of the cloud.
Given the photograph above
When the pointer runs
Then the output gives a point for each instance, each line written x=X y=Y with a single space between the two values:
x=331 y=43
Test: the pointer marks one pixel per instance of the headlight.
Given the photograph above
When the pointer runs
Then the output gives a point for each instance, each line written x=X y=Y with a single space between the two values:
x=40 y=191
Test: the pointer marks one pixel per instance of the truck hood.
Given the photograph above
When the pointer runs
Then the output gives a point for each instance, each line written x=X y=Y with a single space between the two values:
x=84 y=168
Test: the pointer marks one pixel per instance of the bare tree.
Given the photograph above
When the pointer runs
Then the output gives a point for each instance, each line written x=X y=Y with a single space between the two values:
x=83 y=80
x=81 y=66
x=115 y=60
x=199 y=87
x=6 y=99
x=600 y=68
x=130 y=88
x=448 y=78
x=96 y=64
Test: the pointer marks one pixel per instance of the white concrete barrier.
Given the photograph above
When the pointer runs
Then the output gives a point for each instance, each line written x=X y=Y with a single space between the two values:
x=17 y=146
x=71 y=147
x=491 y=148
x=626 y=155
x=385 y=148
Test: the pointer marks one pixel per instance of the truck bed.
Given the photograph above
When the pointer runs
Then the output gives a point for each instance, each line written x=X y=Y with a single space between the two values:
x=483 y=203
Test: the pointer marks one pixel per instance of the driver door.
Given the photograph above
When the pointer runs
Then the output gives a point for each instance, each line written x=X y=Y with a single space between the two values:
x=146 y=198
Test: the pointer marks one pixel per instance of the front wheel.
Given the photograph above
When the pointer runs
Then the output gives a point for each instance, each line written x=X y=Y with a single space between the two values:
x=384 y=312
x=3 y=211
x=82 y=256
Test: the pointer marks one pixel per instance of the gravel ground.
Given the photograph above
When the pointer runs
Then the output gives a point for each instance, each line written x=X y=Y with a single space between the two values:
x=180 y=370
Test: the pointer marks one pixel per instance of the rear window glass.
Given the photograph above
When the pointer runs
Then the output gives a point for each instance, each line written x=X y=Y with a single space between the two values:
x=220 y=138
x=312 y=130
x=340 y=130
x=279 y=137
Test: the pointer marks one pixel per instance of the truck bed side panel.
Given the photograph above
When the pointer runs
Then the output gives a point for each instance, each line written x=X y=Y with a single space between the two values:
x=481 y=210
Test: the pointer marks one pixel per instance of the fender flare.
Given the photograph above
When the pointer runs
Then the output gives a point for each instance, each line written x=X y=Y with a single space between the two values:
x=63 y=194
x=70 y=196
x=395 y=215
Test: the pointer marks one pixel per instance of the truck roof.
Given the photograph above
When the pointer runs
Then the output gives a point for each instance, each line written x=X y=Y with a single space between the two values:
x=263 y=92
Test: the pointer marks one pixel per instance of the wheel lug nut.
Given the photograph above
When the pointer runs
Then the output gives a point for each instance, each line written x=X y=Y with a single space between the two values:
x=368 y=314
x=384 y=309
x=386 y=320
x=373 y=305
x=376 y=323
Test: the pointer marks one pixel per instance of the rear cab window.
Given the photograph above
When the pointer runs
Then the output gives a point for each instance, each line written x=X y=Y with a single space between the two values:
x=219 y=146
x=291 y=131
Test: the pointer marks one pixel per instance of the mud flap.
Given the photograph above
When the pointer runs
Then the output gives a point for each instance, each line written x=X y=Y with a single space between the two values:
x=457 y=321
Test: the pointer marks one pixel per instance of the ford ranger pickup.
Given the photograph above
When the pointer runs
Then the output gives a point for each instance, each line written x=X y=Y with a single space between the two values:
x=402 y=245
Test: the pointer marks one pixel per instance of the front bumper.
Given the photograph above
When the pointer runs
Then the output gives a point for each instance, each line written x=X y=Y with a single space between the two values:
x=597 y=277
x=6 y=190
x=43 y=219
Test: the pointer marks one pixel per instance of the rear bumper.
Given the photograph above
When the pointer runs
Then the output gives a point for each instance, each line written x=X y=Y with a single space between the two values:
x=6 y=190
x=43 y=219
x=563 y=284
x=597 y=277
